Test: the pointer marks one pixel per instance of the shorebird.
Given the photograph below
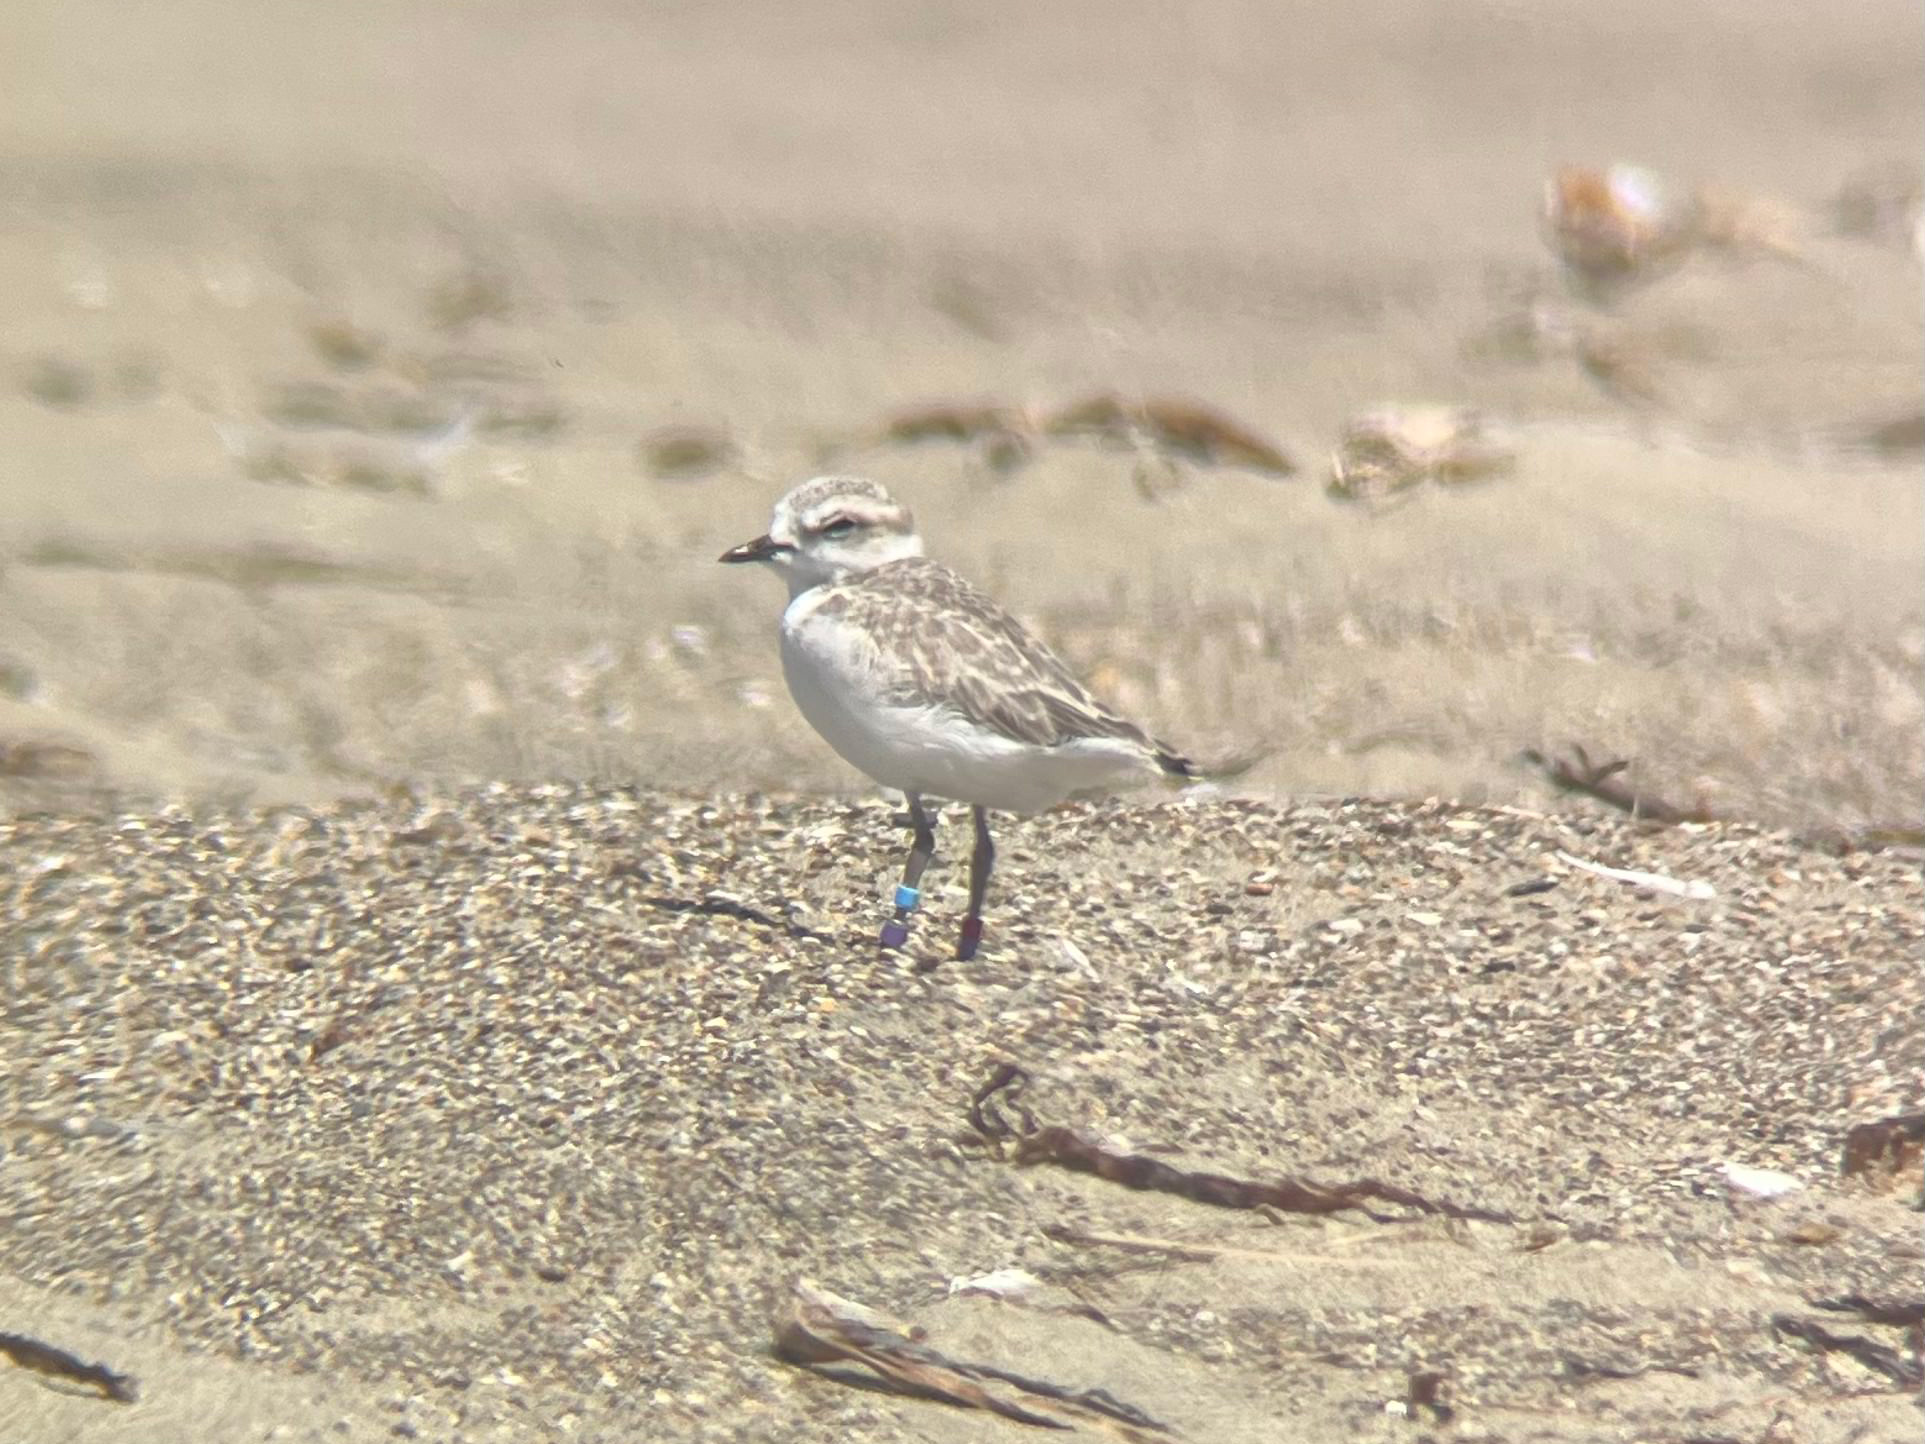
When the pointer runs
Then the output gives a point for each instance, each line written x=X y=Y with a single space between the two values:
x=924 y=683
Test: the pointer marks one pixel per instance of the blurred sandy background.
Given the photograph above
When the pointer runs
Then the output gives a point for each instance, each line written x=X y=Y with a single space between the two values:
x=332 y=333
x=337 y=347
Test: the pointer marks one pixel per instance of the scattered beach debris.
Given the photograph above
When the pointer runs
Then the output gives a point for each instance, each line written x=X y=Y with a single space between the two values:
x=58 y=1364
x=1577 y=773
x=464 y=365
x=954 y=421
x=1602 y=780
x=18 y=680
x=528 y=414
x=469 y=294
x=1614 y=227
x=1026 y=1142
x=720 y=905
x=1894 y=437
x=39 y=759
x=72 y=1127
x=1759 y=1182
x=818 y=1330
x=1174 y=425
x=1879 y=1358
x=388 y=419
x=373 y=407
x=1004 y=436
x=1625 y=368
x=1002 y=1283
x=1158 y=428
x=1695 y=890
x=65 y=384
x=57 y=382
x=1884 y=203
x=412 y=411
x=1531 y=887
x=1577 y=1368
x=347 y=459
x=1812 y=1233
x=1386 y=451
x=1632 y=366
x=686 y=453
x=1621 y=226
x=437 y=829
x=344 y=345
x=1746 y=223
x=1895 y=1313
x=1886 y=1153
x=350 y=1025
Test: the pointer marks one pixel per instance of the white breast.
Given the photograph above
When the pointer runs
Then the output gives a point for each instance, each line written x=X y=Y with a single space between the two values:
x=851 y=693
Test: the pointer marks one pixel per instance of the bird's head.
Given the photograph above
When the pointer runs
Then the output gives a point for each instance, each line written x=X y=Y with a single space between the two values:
x=831 y=528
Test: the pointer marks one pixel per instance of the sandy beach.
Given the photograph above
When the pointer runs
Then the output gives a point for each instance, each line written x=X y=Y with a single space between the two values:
x=519 y=1113
x=436 y=955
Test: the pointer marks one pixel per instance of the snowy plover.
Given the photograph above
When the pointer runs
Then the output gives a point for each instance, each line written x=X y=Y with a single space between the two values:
x=920 y=680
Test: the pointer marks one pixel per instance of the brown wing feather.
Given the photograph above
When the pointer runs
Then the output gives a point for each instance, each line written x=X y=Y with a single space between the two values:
x=966 y=652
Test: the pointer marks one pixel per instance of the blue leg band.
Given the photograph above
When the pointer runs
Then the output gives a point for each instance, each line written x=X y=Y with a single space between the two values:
x=907 y=897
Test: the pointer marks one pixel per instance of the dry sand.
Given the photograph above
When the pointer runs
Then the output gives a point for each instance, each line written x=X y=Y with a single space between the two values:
x=486 y=1114
x=332 y=338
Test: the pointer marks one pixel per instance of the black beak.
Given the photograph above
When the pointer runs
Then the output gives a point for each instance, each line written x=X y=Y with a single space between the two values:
x=759 y=550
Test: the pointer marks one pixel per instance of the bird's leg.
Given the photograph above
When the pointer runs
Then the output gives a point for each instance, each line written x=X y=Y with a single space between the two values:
x=980 y=862
x=895 y=932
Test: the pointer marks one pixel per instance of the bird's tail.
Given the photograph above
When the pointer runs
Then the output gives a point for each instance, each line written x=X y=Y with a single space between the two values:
x=1175 y=764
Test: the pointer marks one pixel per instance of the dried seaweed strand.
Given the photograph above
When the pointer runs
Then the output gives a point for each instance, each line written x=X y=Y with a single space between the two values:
x=1578 y=773
x=59 y=1364
x=1067 y=1148
x=1600 y=780
x=818 y=1328
x=1897 y=1313
x=1880 y=1358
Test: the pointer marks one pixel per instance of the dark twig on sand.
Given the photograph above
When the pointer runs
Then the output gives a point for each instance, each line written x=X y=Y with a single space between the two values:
x=59 y=1364
x=1879 y=1358
x=818 y=1329
x=1896 y=1313
x=717 y=906
x=1067 y=1148
x=1173 y=424
x=1604 y=781
x=350 y=1024
x=1578 y=1368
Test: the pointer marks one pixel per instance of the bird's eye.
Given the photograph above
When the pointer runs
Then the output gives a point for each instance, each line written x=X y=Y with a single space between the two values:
x=839 y=528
